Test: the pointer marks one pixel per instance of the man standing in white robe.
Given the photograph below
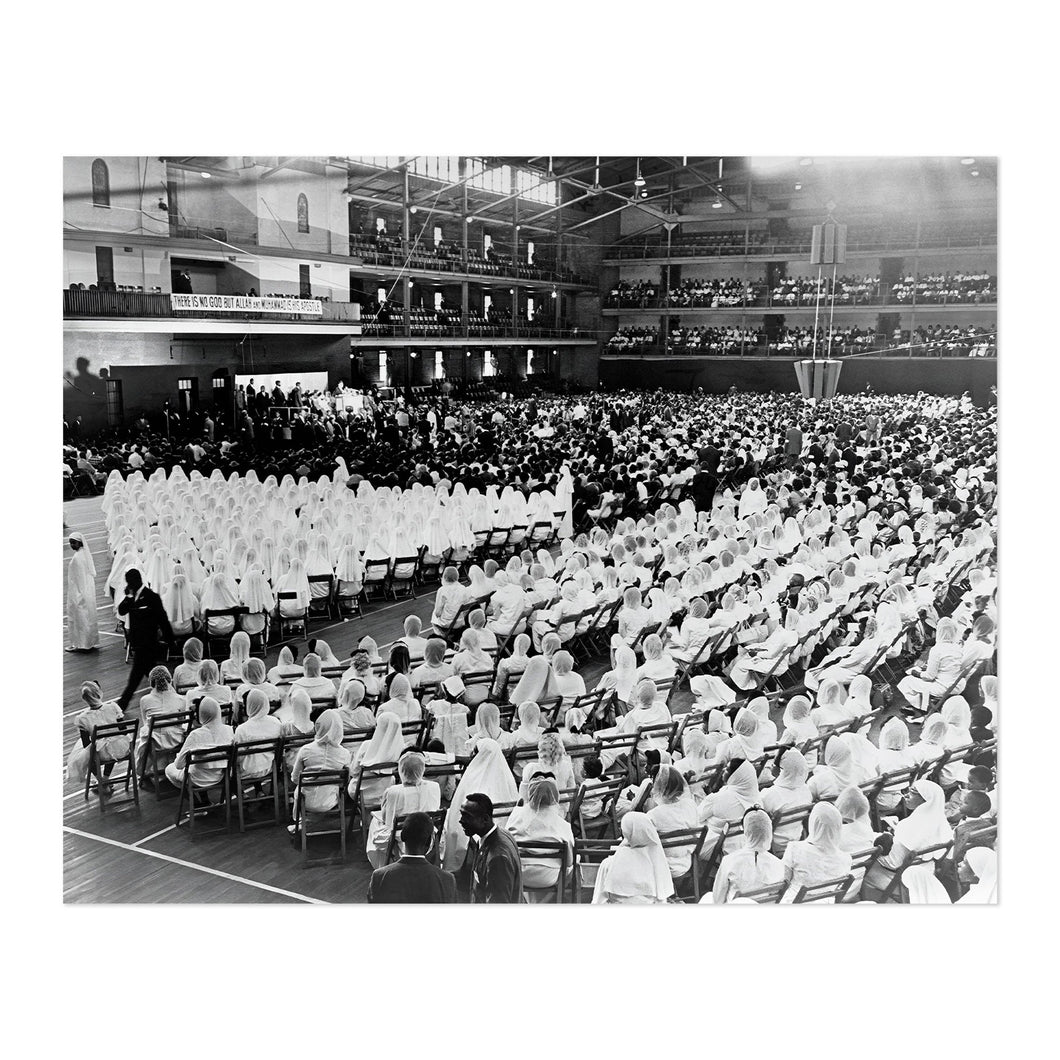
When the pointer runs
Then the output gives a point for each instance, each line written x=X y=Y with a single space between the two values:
x=81 y=598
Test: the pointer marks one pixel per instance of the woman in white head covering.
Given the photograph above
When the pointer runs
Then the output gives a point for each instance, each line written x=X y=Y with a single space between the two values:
x=926 y=826
x=256 y=596
x=980 y=863
x=260 y=725
x=294 y=581
x=622 y=677
x=325 y=752
x=83 y=623
x=767 y=729
x=488 y=727
x=412 y=794
x=658 y=665
x=830 y=709
x=674 y=810
x=448 y=600
x=551 y=758
x=569 y=685
x=286 y=669
x=487 y=774
x=818 y=858
x=209 y=685
x=472 y=659
x=752 y=499
x=537 y=684
x=788 y=791
x=932 y=743
x=751 y=866
x=895 y=754
x=942 y=669
x=839 y=771
x=219 y=594
x=96 y=713
x=746 y=741
x=511 y=667
x=540 y=820
x=180 y=605
x=636 y=873
x=384 y=747
x=856 y=834
x=728 y=805
x=401 y=703
x=238 y=656
x=211 y=732
x=320 y=689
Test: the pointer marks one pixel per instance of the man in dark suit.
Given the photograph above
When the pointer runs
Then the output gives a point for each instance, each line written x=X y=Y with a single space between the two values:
x=145 y=619
x=413 y=879
x=710 y=457
x=704 y=485
x=492 y=872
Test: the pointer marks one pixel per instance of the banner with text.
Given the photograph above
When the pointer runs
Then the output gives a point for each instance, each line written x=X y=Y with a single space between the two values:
x=238 y=303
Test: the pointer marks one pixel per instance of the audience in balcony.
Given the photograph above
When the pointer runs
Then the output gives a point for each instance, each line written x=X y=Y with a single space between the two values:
x=958 y=288
x=626 y=339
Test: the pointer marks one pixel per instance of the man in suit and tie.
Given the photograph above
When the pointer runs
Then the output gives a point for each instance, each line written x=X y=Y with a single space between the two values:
x=145 y=619
x=492 y=872
x=413 y=879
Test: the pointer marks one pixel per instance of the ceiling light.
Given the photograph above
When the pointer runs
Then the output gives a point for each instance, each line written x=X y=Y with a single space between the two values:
x=644 y=194
x=205 y=175
x=975 y=172
x=639 y=182
x=471 y=220
x=967 y=161
x=716 y=204
x=410 y=283
x=412 y=209
x=805 y=161
x=798 y=186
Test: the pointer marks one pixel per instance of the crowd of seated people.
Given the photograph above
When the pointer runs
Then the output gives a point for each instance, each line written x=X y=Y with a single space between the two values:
x=950 y=340
x=626 y=295
x=714 y=294
x=633 y=339
x=957 y=288
x=714 y=340
x=831 y=592
x=806 y=290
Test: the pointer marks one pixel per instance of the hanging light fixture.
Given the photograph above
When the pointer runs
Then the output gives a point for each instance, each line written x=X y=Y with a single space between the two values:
x=640 y=181
x=716 y=204
x=967 y=161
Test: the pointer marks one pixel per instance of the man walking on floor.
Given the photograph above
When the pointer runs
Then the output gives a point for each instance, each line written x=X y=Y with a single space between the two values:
x=145 y=619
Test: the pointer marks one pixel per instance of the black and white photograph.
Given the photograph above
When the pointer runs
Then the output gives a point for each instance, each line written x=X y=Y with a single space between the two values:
x=542 y=529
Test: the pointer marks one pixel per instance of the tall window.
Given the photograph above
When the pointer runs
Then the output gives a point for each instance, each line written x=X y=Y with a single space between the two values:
x=437 y=299
x=487 y=301
x=305 y=288
x=529 y=362
x=115 y=409
x=530 y=252
x=383 y=380
x=380 y=295
x=529 y=308
x=100 y=183
x=380 y=225
x=488 y=367
x=487 y=241
x=437 y=234
x=303 y=213
x=439 y=364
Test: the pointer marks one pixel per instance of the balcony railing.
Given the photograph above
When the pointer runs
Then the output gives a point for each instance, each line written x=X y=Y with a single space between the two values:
x=474 y=331
x=776 y=248
x=453 y=261
x=983 y=346
x=801 y=300
x=88 y=303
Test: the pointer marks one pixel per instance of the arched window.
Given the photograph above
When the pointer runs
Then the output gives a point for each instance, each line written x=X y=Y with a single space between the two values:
x=303 y=213
x=100 y=183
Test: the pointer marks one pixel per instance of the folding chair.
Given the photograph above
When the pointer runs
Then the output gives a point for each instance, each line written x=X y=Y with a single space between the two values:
x=160 y=756
x=589 y=854
x=310 y=780
x=827 y=891
x=403 y=577
x=347 y=604
x=621 y=744
x=211 y=639
x=595 y=704
x=451 y=633
x=376 y=573
x=321 y=606
x=791 y=815
x=218 y=758
x=768 y=895
x=860 y=864
x=99 y=768
x=894 y=891
x=547 y=850
x=482 y=679
x=362 y=808
x=665 y=730
x=287 y=623
x=240 y=753
x=679 y=839
x=437 y=822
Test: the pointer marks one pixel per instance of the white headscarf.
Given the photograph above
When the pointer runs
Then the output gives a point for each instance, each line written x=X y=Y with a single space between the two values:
x=638 y=867
x=386 y=743
x=983 y=862
x=926 y=826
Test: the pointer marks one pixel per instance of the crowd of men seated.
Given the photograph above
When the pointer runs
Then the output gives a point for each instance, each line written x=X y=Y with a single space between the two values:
x=806 y=290
x=950 y=340
x=714 y=340
x=821 y=577
x=946 y=289
x=714 y=294
x=633 y=339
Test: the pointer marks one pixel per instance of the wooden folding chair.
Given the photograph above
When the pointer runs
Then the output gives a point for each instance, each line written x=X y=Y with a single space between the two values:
x=240 y=753
x=218 y=757
x=589 y=854
x=376 y=573
x=827 y=891
x=437 y=822
x=286 y=624
x=693 y=838
x=860 y=864
x=403 y=577
x=310 y=780
x=361 y=808
x=160 y=757
x=100 y=769
x=894 y=890
x=607 y=793
x=547 y=850
x=322 y=607
x=768 y=895
x=210 y=639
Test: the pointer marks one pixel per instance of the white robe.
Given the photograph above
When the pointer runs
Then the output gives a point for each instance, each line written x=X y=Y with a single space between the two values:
x=81 y=601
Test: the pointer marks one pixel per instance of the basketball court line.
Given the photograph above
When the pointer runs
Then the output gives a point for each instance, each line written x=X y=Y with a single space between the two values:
x=192 y=865
x=154 y=835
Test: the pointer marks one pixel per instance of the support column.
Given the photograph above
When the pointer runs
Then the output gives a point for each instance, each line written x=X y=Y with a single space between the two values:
x=405 y=218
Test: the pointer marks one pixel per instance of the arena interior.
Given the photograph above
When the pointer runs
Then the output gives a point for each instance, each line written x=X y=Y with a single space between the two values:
x=395 y=480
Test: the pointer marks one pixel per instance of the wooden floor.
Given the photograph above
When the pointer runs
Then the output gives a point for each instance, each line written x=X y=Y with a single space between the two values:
x=137 y=855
